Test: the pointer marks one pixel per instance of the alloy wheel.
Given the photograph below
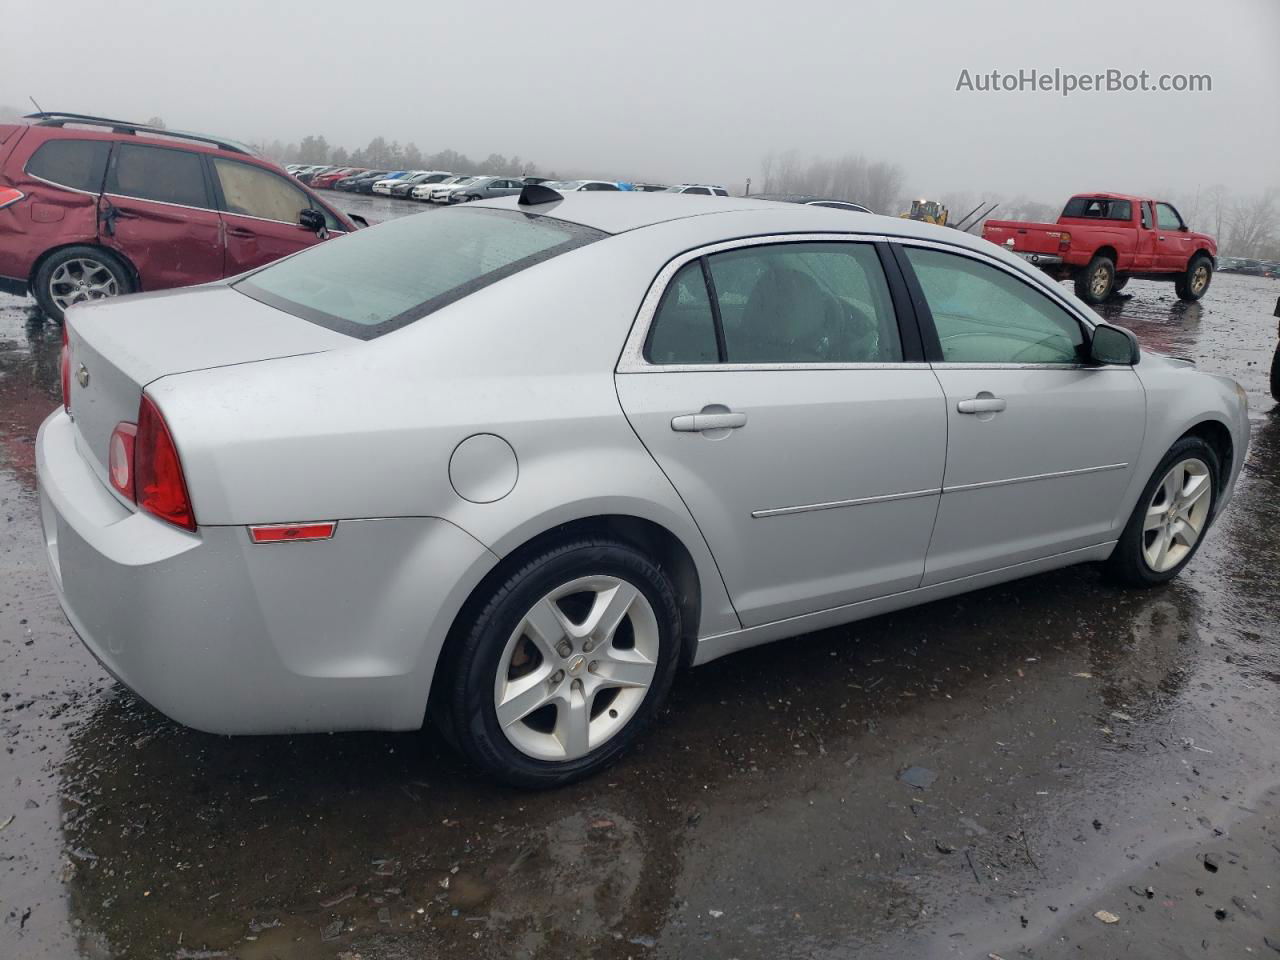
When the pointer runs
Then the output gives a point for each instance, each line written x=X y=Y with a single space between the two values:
x=1101 y=280
x=81 y=279
x=1200 y=279
x=1176 y=515
x=576 y=668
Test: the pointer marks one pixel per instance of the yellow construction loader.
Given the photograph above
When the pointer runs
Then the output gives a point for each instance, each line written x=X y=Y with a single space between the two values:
x=928 y=211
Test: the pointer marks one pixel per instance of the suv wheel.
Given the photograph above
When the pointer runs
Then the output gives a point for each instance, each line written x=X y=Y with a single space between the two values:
x=565 y=665
x=77 y=274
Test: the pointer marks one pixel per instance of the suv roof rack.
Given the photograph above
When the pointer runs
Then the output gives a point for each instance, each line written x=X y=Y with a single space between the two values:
x=54 y=118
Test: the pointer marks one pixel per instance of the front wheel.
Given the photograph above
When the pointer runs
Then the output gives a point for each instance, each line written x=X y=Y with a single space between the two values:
x=565 y=665
x=1194 y=284
x=1171 y=518
x=1097 y=281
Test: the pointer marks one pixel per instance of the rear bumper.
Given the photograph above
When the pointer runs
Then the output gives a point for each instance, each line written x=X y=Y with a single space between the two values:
x=1040 y=259
x=230 y=637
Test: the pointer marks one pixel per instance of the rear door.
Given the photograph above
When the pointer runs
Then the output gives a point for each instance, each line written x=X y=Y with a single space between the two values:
x=260 y=209
x=777 y=391
x=157 y=210
x=1041 y=446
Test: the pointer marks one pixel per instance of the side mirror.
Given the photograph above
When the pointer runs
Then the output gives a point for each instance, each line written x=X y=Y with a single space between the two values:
x=311 y=219
x=1184 y=228
x=1113 y=346
x=358 y=220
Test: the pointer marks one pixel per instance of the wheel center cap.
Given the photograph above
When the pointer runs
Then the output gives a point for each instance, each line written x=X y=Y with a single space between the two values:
x=576 y=665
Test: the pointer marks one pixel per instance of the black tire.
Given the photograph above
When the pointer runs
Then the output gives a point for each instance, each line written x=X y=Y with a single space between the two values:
x=41 y=284
x=1193 y=285
x=476 y=653
x=1097 y=281
x=1120 y=283
x=1275 y=374
x=1127 y=563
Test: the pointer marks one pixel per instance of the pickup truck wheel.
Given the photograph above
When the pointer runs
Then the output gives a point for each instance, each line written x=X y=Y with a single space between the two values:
x=1097 y=281
x=1194 y=284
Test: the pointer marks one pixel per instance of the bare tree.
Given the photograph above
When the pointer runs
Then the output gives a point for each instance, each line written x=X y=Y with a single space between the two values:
x=1252 y=224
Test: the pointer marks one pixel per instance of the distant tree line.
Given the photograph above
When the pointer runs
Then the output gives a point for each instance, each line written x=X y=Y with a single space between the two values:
x=392 y=155
x=874 y=184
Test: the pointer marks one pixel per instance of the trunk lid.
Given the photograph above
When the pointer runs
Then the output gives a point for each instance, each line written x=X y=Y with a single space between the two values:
x=120 y=346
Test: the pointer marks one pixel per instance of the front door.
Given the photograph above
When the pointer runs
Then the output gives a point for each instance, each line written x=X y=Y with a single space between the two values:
x=1174 y=245
x=1040 y=445
x=772 y=390
x=260 y=210
x=157 y=211
x=1144 y=257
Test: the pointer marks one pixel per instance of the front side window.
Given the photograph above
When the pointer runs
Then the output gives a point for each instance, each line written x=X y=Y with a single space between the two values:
x=157 y=173
x=985 y=315
x=79 y=164
x=378 y=280
x=254 y=192
x=1167 y=217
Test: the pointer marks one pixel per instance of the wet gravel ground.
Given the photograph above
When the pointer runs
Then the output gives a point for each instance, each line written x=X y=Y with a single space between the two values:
x=1094 y=750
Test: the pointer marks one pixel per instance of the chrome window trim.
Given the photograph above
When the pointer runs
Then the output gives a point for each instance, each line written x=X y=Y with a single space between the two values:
x=633 y=359
x=163 y=203
x=55 y=183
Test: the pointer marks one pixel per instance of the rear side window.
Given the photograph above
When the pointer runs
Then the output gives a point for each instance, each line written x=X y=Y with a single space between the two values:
x=984 y=315
x=375 y=281
x=254 y=192
x=157 y=173
x=79 y=164
x=684 y=328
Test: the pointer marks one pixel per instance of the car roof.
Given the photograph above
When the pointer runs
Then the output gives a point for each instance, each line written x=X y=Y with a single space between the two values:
x=622 y=211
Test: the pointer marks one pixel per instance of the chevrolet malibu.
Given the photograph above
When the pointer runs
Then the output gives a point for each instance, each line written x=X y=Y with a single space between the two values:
x=509 y=467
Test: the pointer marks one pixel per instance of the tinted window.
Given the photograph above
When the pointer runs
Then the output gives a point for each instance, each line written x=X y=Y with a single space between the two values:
x=255 y=192
x=699 y=190
x=1098 y=208
x=71 y=163
x=377 y=280
x=684 y=328
x=1167 y=217
x=155 y=173
x=805 y=303
x=984 y=315
x=600 y=186
x=720 y=193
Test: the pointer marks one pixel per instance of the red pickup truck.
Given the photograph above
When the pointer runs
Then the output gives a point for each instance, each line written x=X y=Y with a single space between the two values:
x=1102 y=240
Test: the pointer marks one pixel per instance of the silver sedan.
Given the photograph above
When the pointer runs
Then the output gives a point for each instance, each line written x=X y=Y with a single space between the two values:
x=511 y=465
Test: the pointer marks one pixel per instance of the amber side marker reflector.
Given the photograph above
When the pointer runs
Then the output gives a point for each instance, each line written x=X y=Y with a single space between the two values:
x=292 y=532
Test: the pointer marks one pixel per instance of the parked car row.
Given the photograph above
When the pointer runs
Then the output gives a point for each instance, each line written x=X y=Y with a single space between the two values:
x=441 y=186
x=1249 y=267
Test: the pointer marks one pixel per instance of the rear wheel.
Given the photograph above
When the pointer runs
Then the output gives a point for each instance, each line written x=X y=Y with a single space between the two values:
x=78 y=274
x=1097 y=281
x=565 y=666
x=1121 y=282
x=1194 y=284
x=1275 y=373
x=1171 y=518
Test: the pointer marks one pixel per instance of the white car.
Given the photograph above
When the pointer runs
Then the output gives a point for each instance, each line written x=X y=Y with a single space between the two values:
x=440 y=194
x=699 y=189
x=510 y=466
x=424 y=191
x=573 y=186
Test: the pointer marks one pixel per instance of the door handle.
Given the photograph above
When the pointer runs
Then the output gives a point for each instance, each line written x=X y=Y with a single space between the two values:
x=981 y=405
x=240 y=232
x=697 y=422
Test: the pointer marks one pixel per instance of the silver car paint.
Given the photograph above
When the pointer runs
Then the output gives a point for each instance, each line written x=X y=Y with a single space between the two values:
x=363 y=432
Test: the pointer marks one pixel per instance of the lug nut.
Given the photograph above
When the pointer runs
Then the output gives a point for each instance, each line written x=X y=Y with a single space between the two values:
x=593 y=666
x=588 y=646
x=557 y=676
x=564 y=648
x=577 y=685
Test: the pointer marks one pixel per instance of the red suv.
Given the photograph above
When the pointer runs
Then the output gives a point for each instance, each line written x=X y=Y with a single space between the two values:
x=92 y=208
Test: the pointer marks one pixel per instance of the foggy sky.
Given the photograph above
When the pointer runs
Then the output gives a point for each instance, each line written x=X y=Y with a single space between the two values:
x=689 y=91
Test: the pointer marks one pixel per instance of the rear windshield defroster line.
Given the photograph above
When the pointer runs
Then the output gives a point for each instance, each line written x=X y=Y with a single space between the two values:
x=371 y=282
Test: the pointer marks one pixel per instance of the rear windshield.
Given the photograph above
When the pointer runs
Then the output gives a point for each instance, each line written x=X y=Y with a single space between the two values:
x=374 y=281
x=1098 y=208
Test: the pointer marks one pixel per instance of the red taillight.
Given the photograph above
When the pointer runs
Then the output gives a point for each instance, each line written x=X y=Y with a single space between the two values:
x=64 y=368
x=120 y=458
x=158 y=482
x=9 y=196
x=292 y=532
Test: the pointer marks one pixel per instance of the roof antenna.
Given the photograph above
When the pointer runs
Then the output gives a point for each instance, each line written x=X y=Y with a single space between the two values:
x=535 y=193
x=33 y=100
